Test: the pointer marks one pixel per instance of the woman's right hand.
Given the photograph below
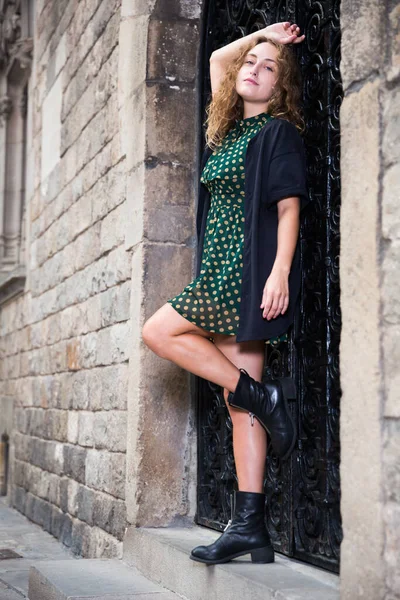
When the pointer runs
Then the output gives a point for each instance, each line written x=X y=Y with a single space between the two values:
x=283 y=33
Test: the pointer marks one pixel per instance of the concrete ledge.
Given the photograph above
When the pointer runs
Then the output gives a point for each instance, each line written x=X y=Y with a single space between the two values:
x=91 y=579
x=162 y=555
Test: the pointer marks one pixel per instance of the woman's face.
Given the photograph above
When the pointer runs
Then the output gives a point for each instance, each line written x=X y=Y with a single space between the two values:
x=258 y=74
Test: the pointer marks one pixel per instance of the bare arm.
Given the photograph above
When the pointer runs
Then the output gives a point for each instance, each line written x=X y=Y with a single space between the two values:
x=275 y=299
x=284 y=32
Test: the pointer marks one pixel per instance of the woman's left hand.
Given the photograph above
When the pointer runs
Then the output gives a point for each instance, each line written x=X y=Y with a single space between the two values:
x=275 y=299
x=284 y=33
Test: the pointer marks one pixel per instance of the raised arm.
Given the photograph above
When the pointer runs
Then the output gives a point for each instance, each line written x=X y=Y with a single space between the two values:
x=284 y=33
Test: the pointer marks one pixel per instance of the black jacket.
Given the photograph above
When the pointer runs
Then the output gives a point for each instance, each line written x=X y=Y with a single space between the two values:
x=275 y=168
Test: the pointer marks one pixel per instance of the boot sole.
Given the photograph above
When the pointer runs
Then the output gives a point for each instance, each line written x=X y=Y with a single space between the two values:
x=258 y=555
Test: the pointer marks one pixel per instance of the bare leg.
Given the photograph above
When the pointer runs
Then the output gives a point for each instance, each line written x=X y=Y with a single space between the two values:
x=173 y=337
x=249 y=441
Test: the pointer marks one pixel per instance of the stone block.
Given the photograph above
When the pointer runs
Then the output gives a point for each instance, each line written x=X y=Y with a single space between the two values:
x=80 y=389
x=64 y=485
x=18 y=498
x=103 y=545
x=72 y=497
x=185 y=9
x=391 y=126
x=65 y=536
x=105 y=471
x=80 y=538
x=113 y=344
x=115 y=304
x=47 y=455
x=112 y=390
x=168 y=270
x=91 y=65
x=172 y=50
x=361 y=380
x=85 y=429
x=393 y=39
x=361 y=15
x=132 y=61
x=85 y=249
x=169 y=205
x=109 y=191
x=85 y=501
x=167 y=121
x=56 y=425
x=72 y=435
x=391 y=516
x=92 y=100
x=74 y=462
x=51 y=129
x=89 y=25
x=391 y=283
x=109 y=430
x=135 y=188
x=110 y=514
x=391 y=356
x=112 y=230
x=391 y=460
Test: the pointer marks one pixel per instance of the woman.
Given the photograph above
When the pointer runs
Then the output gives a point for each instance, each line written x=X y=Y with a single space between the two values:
x=253 y=188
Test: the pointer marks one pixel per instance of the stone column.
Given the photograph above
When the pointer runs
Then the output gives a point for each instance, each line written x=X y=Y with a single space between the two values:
x=159 y=46
x=370 y=292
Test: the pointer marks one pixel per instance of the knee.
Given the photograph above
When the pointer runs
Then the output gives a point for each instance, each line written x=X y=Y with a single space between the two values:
x=149 y=334
x=153 y=338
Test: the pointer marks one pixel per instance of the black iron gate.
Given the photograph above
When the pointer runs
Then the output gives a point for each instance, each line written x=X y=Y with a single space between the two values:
x=303 y=513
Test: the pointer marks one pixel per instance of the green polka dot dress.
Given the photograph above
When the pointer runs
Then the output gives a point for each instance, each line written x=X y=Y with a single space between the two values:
x=212 y=300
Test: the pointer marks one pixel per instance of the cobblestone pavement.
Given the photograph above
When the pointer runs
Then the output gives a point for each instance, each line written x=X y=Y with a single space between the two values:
x=32 y=543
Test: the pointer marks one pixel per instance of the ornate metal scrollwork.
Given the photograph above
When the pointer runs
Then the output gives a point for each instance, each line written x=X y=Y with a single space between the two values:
x=303 y=513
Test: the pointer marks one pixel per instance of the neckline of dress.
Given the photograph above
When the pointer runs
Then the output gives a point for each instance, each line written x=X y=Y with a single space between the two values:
x=254 y=119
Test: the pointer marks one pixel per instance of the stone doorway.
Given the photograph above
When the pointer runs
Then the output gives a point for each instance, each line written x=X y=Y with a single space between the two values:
x=303 y=512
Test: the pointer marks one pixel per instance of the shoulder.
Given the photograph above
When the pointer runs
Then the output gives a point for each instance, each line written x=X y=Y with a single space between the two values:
x=282 y=136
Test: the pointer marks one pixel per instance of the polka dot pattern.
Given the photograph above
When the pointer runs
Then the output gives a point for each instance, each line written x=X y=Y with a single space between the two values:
x=212 y=300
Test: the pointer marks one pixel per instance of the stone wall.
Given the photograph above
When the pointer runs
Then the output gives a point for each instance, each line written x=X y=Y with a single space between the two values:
x=158 y=75
x=65 y=341
x=370 y=292
x=110 y=237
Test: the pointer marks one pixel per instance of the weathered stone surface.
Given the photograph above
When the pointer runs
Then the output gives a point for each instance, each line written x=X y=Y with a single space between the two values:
x=51 y=129
x=390 y=205
x=356 y=17
x=168 y=268
x=391 y=460
x=169 y=210
x=85 y=429
x=391 y=515
x=168 y=121
x=105 y=471
x=361 y=379
x=110 y=514
x=393 y=42
x=391 y=126
x=172 y=47
x=74 y=462
x=109 y=430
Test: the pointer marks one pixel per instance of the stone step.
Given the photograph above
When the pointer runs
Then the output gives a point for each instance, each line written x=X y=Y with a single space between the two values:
x=162 y=555
x=92 y=579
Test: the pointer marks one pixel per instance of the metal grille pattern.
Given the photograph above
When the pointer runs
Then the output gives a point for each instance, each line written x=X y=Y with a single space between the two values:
x=303 y=494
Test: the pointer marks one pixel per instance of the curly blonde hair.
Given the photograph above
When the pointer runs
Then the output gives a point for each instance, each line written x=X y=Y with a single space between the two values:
x=226 y=107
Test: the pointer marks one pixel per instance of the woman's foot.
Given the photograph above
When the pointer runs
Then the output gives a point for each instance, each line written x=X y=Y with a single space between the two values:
x=247 y=534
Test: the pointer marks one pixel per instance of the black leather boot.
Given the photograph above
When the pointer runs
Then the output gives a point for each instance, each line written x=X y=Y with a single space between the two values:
x=246 y=534
x=268 y=403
